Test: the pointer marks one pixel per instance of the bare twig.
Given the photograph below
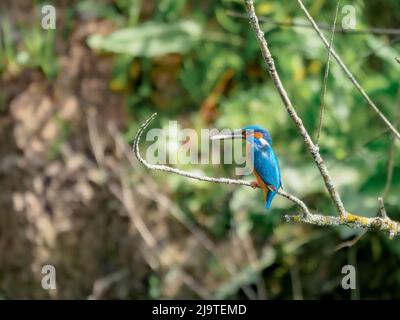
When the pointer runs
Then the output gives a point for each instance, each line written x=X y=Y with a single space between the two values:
x=353 y=221
x=352 y=242
x=192 y=284
x=101 y=285
x=382 y=209
x=348 y=73
x=129 y=203
x=322 y=26
x=390 y=166
x=392 y=149
x=291 y=111
x=94 y=138
x=325 y=82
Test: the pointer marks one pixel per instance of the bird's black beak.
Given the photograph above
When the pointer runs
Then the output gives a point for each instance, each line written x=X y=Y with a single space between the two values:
x=236 y=134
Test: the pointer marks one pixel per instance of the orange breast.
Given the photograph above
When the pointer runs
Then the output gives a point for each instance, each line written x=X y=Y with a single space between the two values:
x=261 y=184
x=260 y=181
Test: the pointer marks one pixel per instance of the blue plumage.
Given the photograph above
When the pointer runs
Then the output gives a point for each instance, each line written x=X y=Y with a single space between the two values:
x=264 y=160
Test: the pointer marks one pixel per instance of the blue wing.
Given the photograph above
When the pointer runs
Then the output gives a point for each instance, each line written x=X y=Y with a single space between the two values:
x=267 y=167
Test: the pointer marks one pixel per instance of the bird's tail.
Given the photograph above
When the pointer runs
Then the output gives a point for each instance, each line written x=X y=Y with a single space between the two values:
x=269 y=197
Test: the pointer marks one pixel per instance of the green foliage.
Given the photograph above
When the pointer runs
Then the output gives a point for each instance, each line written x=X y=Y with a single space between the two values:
x=36 y=49
x=40 y=45
x=149 y=40
x=154 y=287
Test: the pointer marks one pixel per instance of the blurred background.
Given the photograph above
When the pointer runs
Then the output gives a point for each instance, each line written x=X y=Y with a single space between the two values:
x=73 y=195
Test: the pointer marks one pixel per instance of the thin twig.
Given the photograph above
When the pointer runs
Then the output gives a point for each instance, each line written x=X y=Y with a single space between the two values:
x=348 y=73
x=322 y=26
x=352 y=242
x=390 y=166
x=382 y=209
x=101 y=285
x=192 y=284
x=392 y=149
x=325 y=81
x=94 y=138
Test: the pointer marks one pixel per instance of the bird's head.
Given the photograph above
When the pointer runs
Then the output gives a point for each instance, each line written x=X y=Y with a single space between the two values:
x=253 y=134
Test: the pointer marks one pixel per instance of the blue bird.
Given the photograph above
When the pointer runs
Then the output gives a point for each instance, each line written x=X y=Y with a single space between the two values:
x=265 y=163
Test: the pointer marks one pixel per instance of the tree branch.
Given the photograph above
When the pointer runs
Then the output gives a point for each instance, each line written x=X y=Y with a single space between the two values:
x=175 y=170
x=353 y=221
x=325 y=82
x=322 y=26
x=348 y=73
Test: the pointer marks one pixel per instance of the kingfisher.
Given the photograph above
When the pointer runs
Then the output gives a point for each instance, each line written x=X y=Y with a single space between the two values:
x=261 y=155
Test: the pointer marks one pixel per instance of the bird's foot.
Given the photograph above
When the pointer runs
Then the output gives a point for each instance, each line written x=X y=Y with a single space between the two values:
x=255 y=185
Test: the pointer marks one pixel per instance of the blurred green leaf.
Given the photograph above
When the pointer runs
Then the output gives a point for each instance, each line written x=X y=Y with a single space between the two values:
x=150 y=39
